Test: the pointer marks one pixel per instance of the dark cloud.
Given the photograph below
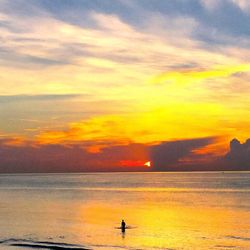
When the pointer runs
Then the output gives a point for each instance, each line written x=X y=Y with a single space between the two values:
x=239 y=155
x=167 y=155
x=180 y=156
x=70 y=158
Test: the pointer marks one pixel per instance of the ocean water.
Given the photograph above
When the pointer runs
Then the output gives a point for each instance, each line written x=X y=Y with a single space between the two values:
x=163 y=210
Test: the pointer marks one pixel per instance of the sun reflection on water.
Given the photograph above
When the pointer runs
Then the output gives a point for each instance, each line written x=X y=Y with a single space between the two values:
x=164 y=226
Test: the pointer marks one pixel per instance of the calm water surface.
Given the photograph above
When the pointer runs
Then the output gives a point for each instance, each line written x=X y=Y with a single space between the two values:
x=165 y=211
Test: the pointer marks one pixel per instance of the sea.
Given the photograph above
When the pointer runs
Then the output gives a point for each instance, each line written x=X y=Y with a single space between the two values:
x=191 y=210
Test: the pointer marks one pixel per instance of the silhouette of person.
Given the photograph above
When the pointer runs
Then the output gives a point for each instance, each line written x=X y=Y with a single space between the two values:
x=123 y=226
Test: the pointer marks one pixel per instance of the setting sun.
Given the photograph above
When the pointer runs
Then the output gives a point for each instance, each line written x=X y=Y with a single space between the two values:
x=148 y=164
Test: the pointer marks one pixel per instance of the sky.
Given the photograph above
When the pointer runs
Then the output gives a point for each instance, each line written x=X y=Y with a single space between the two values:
x=93 y=85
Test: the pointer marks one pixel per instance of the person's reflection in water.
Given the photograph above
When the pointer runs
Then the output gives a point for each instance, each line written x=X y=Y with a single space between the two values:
x=123 y=226
x=123 y=235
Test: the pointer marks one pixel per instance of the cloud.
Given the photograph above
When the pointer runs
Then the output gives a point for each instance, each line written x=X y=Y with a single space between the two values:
x=168 y=156
x=243 y=4
x=153 y=126
x=71 y=53
x=30 y=157
x=51 y=112
x=239 y=155
x=20 y=155
x=49 y=97
x=200 y=155
x=211 y=4
x=65 y=43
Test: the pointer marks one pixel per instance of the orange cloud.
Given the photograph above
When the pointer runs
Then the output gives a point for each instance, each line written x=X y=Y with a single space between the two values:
x=16 y=141
x=217 y=148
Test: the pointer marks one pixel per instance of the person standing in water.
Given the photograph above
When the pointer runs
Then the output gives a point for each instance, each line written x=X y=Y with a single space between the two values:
x=123 y=226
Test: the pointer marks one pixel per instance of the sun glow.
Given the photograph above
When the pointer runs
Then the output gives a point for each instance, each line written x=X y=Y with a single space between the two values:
x=148 y=164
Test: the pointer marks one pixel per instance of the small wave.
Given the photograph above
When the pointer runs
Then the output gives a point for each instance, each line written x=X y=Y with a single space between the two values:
x=237 y=237
x=42 y=244
x=224 y=246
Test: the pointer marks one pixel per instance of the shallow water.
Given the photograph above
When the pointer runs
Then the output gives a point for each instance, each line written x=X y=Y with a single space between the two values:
x=165 y=211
